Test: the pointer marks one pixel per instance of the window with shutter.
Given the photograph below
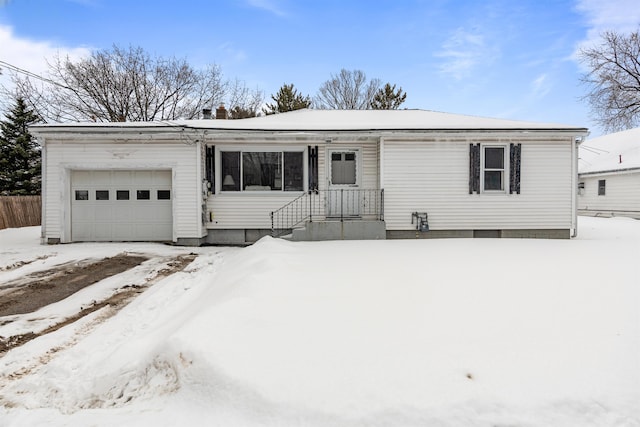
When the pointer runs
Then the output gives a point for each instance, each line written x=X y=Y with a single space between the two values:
x=210 y=163
x=474 y=168
x=514 y=168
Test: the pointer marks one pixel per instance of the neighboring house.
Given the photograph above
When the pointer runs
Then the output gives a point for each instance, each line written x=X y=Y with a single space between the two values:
x=327 y=174
x=609 y=175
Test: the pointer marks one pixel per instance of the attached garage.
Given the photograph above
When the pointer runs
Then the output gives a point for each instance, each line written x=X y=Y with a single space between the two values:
x=121 y=205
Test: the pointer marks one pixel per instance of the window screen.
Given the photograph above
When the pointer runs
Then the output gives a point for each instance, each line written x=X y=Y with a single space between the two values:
x=494 y=168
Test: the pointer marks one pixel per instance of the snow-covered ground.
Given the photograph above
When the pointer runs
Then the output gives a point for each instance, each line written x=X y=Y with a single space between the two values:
x=484 y=332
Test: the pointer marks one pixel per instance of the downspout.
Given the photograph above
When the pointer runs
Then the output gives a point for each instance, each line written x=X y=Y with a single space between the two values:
x=381 y=154
x=43 y=191
x=381 y=176
x=574 y=184
x=201 y=194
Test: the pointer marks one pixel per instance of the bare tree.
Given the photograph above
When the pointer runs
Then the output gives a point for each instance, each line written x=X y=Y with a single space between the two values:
x=614 y=80
x=243 y=102
x=349 y=90
x=122 y=85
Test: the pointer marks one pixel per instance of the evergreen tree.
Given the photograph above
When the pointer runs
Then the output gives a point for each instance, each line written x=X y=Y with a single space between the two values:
x=239 y=112
x=287 y=99
x=19 y=152
x=387 y=98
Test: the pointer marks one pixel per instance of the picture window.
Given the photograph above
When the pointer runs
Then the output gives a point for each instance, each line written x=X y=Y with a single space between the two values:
x=262 y=171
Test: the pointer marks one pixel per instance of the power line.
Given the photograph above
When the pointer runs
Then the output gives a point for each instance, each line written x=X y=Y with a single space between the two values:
x=31 y=74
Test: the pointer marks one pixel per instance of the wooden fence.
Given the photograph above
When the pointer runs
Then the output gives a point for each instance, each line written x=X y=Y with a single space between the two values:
x=20 y=211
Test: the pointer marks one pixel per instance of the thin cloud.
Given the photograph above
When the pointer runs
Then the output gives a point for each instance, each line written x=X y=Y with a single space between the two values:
x=271 y=6
x=233 y=53
x=31 y=55
x=462 y=52
x=540 y=86
x=619 y=15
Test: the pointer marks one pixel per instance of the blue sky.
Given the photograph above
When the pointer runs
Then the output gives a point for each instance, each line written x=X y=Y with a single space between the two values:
x=496 y=58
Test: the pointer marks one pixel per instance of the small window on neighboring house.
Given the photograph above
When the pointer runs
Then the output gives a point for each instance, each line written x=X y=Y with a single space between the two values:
x=602 y=184
x=82 y=195
x=581 y=188
x=102 y=194
x=164 y=194
x=143 y=194
x=122 y=195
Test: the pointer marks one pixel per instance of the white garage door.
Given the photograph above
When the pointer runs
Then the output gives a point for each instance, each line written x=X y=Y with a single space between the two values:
x=132 y=205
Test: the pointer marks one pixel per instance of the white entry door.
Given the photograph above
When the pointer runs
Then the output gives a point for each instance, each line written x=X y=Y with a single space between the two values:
x=121 y=205
x=343 y=198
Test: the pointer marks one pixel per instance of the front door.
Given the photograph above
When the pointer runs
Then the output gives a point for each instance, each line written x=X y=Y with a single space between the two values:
x=343 y=198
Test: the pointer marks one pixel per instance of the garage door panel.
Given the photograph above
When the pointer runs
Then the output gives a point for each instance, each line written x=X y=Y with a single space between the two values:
x=123 y=178
x=102 y=178
x=123 y=213
x=123 y=231
x=103 y=212
x=102 y=230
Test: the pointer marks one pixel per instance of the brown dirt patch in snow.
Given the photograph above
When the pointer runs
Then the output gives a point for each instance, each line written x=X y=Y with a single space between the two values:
x=69 y=277
x=37 y=290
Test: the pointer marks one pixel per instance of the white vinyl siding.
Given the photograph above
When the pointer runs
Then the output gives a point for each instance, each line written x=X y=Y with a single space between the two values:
x=180 y=159
x=251 y=209
x=433 y=177
x=622 y=196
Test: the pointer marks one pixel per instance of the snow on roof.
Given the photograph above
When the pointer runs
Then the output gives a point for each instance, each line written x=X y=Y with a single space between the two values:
x=342 y=120
x=613 y=152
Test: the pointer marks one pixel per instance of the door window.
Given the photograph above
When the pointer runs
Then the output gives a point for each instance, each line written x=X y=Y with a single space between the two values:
x=343 y=168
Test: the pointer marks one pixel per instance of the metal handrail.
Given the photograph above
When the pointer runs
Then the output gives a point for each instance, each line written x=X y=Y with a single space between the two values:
x=334 y=204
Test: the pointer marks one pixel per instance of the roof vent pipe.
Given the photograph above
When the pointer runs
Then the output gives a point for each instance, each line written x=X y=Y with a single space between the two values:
x=206 y=113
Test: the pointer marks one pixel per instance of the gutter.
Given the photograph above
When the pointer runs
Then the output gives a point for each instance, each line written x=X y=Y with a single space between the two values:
x=610 y=171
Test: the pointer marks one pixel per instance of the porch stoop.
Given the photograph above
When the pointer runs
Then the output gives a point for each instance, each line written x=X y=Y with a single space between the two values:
x=340 y=230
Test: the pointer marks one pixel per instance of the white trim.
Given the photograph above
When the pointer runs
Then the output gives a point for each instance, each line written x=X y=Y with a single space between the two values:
x=358 y=155
x=381 y=172
x=505 y=168
x=43 y=191
x=260 y=149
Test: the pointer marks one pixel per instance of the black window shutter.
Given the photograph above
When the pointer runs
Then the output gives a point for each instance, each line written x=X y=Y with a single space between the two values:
x=474 y=168
x=313 y=167
x=210 y=166
x=514 y=168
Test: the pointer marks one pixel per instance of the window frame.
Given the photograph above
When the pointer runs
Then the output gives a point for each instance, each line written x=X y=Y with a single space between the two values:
x=219 y=154
x=581 y=186
x=343 y=153
x=602 y=187
x=504 y=170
